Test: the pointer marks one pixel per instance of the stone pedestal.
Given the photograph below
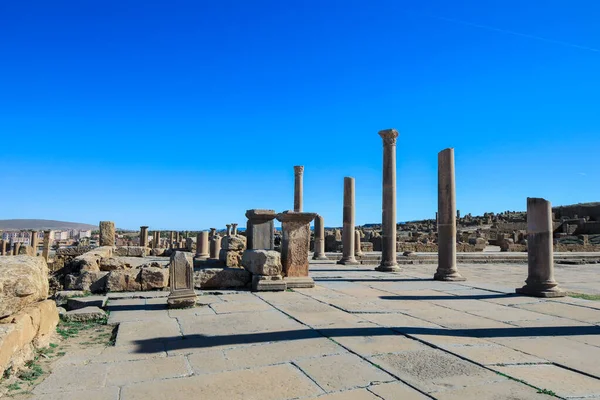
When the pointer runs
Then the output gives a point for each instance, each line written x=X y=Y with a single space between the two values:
x=260 y=229
x=46 y=246
x=202 y=246
x=295 y=243
x=265 y=267
x=447 y=270
x=144 y=236
x=348 y=219
x=107 y=233
x=215 y=247
x=298 y=188
x=319 y=253
x=357 y=250
x=181 y=277
x=388 y=217
x=540 y=257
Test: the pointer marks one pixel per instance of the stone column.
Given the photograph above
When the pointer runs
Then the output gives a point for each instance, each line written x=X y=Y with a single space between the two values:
x=389 y=262
x=46 y=247
x=213 y=232
x=446 y=270
x=107 y=233
x=16 y=248
x=319 y=239
x=295 y=243
x=215 y=247
x=171 y=239
x=357 y=250
x=156 y=239
x=202 y=246
x=540 y=256
x=348 y=230
x=144 y=236
x=34 y=242
x=260 y=229
x=228 y=229
x=234 y=229
x=3 y=247
x=298 y=188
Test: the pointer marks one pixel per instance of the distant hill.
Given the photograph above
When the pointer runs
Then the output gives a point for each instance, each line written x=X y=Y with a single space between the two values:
x=41 y=224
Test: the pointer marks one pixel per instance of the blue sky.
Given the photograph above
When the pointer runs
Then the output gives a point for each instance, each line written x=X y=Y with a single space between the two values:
x=184 y=114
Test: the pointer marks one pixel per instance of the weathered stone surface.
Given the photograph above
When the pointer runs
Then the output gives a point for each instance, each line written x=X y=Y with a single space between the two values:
x=62 y=296
x=76 y=303
x=132 y=251
x=124 y=280
x=94 y=282
x=112 y=263
x=295 y=242
x=221 y=278
x=159 y=252
x=73 y=251
x=154 y=278
x=262 y=262
x=261 y=283
x=260 y=229
x=23 y=281
x=90 y=261
x=181 y=278
x=231 y=258
x=237 y=242
x=21 y=333
x=107 y=233
x=84 y=314
x=26 y=250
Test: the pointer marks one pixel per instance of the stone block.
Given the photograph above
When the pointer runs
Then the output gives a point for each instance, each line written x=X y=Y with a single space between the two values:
x=262 y=283
x=132 y=251
x=262 y=262
x=124 y=281
x=231 y=258
x=75 y=303
x=236 y=242
x=154 y=278
x=87 y=281
x=181 y=278
x=112 y=263
x=84 y=315
x=221 y=278
x=107 y=233
x=23 y=281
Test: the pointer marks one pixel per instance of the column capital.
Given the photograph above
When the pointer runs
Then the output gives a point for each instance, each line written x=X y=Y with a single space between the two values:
x=299 y=169
x=389 y=136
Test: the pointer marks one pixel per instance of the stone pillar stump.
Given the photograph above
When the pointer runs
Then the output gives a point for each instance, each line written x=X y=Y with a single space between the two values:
x=260 y=229
x=202 y=246
x=540 y=253
x=357 y=250
x=295 y=244
x=46 y=246
x=107 y=233
x=319 y=253
x=143 y=236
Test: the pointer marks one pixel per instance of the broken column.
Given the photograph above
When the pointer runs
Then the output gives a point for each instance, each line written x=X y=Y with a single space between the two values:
x=46 y=245
x=260 y=259
x=202 y=246
x=357 y=250
x=295 y=243
x=388 y=217
x=3 y=247
x=107 y=233
x=34 y=242
x=143 y=236
x=156 y=239
x=447 y=213
x=232 y=248
x=213 y=232
x=16 y=248
x=215 y=246
x=298 y=188
x=319 y=253
x=181 y=277
x=228 y=226
x=348 y=220
x=540 y=256
x=234 y=229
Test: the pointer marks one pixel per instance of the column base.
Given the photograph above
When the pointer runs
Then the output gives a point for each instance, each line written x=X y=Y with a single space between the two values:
x=322 y=257
x=348 y=261
x=262 y=283
x=299 y=282
x=182 y=299
x=388 y=266
x=544 y=291
x=449 y=276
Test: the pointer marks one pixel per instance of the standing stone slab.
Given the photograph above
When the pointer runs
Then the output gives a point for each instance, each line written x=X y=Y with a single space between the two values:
x=447 y=270
x=348 y=219
x=181 y=275
x=298 y=188
x=319 y=239
x=388 y=217
x=107 y=233
x=295 y=244
x=540 y=257
x=260 y=229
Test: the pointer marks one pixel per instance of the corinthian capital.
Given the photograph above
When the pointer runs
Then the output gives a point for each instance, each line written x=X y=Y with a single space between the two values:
x=389 y=136
x=298 y=169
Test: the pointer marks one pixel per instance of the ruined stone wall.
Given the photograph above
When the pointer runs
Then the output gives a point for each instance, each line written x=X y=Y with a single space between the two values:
x=580 y=210
x=433 y=248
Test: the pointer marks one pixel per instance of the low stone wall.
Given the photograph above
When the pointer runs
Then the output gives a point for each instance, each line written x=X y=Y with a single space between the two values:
x=433 y=248
x=576 y=247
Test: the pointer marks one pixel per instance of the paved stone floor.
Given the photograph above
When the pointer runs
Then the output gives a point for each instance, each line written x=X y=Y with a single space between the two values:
x=358 y=335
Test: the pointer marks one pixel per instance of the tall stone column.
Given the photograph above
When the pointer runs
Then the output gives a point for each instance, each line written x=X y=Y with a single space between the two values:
x=228 y=229
x=202 y=246
x=34 y=242
x=446 y=270
x=156 y=239
x=215 y=247
x=46 y=247
x=107 y=233
x=234 y=229
x=143 y=236
x=540 y=254
x=298 y=188
x=319 y=253
x=260 y=229
x=295 y=242
x=389 y=263
x=348 y=220
x=357 y=250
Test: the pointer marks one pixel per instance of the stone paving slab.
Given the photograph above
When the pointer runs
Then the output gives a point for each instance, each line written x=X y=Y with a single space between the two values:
x=68 y=378
x=142 y=332
x=128 y=372
x=397 y=390
x=494 y=391
x=267 y=383
x=107 y=393
x=358 y=394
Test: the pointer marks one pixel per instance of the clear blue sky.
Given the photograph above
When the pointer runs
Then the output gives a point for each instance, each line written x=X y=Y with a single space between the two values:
x=183 y=114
